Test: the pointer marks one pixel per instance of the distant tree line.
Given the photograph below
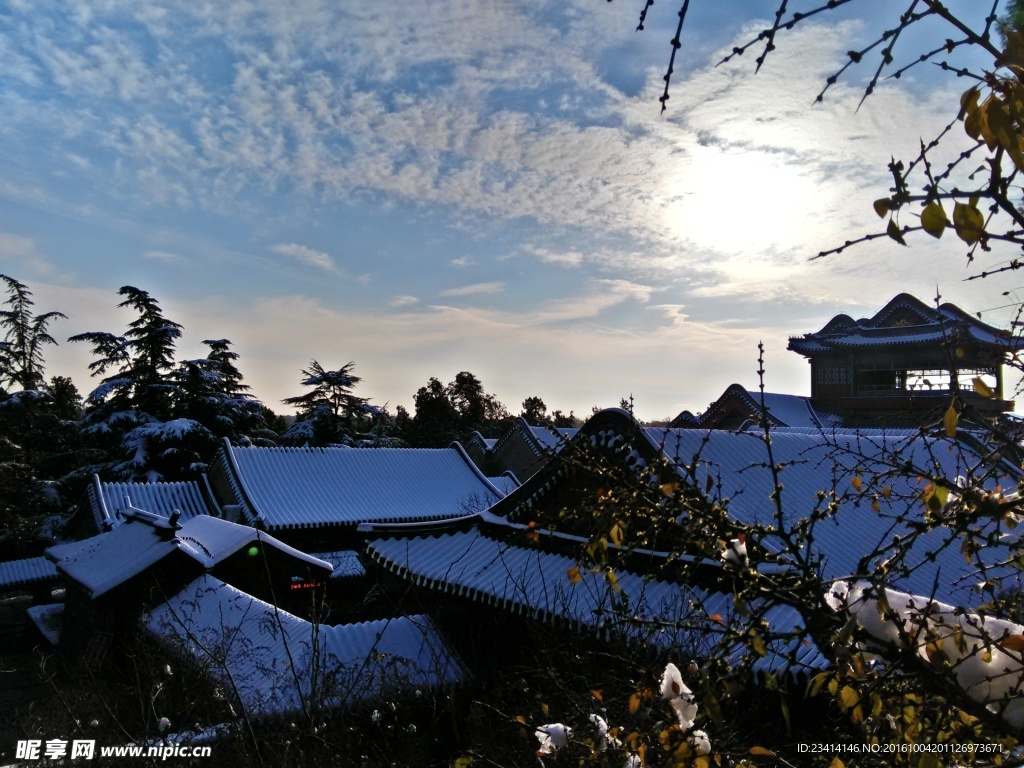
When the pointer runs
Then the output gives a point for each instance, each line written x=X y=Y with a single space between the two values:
x=152 y=416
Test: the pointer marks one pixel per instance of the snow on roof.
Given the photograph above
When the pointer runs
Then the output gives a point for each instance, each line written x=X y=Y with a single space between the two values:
x=505 y=482
x=537 y=583
x=31 y=570
x=917 y=323
x=346 y=563
x=219 y=539
x=48 y=620
x=105 y=561
x=551 y=438
x=791 y=410
x=541 y=440
x=109 y=559
x=265 y=658
x=783 y=410
x=316 y=487
x=109 y=499
x=814 y=461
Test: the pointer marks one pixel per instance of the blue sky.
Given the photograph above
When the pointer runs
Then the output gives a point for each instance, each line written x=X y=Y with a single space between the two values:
x=430 y=187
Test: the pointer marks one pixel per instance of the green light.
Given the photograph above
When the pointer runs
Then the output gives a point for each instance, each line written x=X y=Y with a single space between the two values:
x=254 y=550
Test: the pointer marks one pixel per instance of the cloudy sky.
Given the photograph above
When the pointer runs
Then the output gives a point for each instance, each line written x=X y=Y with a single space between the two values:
x=430 y=187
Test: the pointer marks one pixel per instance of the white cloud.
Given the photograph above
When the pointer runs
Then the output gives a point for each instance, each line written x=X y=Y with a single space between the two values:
x=561 y=258
x=305 y=255
x=403 y=301
x=24 y=254
x=462 y=261
x=476 y=289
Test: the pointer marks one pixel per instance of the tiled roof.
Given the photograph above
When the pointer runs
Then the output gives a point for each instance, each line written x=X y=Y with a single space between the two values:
x=107 y=500
x=48 y=620
x=925 y=325
x=536 y=583
x=218 y=539
x=814 y=461
x=541 y=440
x=265 y=658
x=346 y=563
x=283 y=488
x=505 y=482
x=783 y=410
x=109 y=559
x=21 y=573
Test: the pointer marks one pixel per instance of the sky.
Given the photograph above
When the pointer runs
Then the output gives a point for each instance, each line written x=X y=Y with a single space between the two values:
x=430 y=187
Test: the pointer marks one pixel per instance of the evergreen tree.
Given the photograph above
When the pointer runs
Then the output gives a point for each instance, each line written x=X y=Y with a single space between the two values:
x=535 y=411
x=25 y=335
x=131 y=415
x=329 y=413
x=211 y=392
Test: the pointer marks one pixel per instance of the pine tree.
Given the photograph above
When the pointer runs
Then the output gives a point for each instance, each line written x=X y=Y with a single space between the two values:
x=329 y=412
x=25 y=335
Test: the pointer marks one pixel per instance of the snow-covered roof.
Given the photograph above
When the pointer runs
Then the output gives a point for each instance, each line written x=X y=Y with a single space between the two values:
x=812 y=462
x=282 y=488
x=904 y=321
x=48 y=620
x=346 y=563
x=783 y=410
x=109 y=559
x=218 y=539
x=108 y=500
x=506 y=482
x=487 y=567
x=541 y=440
x=21 y=573
x=265 y=658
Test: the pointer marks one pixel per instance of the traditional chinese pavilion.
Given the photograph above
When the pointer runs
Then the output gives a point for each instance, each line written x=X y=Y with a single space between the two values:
x=907 y=359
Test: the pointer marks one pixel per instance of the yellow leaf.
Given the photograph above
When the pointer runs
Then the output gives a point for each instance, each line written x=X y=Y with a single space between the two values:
x=1014 y=643
x=613 y=580
x=857 y=483
x=545 y=709
x=950 y=420
x=702 y=762
x=757 y=645
x=819 y=680
x=642 y=751
x=848 y=698
x=882 y=207
x=836 y=763
x=634 y=703
x=893 y=231
x=597 y=694
x=574 y=575
x=969 y=101
x=762 y=751
x=974 y=116
x=933 y=219
x=968 y=222
x=463 y=761
x=1001 y=132
x=887 y=491
x=616 y=534
x=668 y=489
x=982 y=388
